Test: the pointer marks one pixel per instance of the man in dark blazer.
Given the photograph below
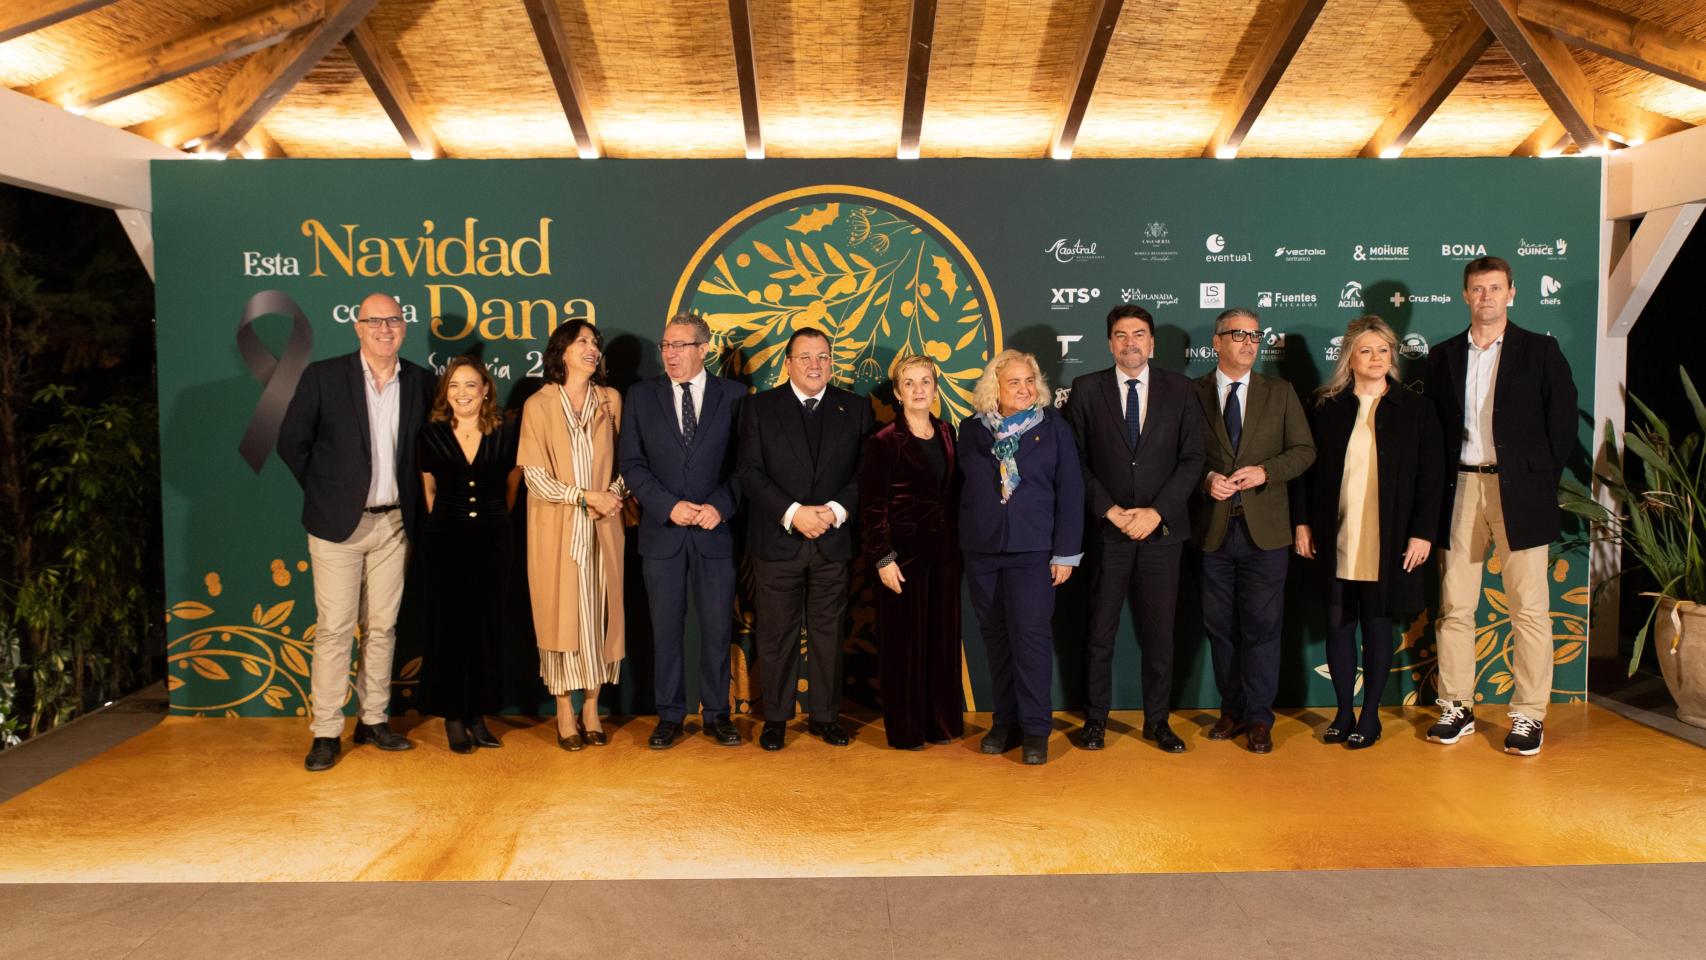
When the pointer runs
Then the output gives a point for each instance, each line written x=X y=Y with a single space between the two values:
x=348 y=437
x=1140 y=443
x=677 y=454
x=1507 y=411
x=1257 y=440
x=800 y=445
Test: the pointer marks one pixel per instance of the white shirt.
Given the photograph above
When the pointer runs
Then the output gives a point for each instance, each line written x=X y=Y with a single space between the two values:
x=698 y=393
x=1124 y=380
x=1223 y=387
x=382 y=417
x=1479 y=375
x=835 y=508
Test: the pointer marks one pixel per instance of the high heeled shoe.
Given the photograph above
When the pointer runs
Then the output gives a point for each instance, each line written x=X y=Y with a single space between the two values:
x=594 y=738
x=573 y=741
x=483 y=736
x=456 y=732
x=1339 y=731
x=1361 y=741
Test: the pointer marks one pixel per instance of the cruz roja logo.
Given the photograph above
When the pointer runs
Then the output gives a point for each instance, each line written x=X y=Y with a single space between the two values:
x=1381 y=251
x=1399 y=298
x=1350 y=296
x=1552 y=251
x=1211 y=296
x=1067 y=251
x=1066 y=341
x=1549 y=287
x=1065 y=298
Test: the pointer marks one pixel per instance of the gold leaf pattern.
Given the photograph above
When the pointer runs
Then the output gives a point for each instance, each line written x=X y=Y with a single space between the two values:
x=817 y=219
x=190 y=610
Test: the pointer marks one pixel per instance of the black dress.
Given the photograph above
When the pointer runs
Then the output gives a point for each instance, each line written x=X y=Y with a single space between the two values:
x=467 y=554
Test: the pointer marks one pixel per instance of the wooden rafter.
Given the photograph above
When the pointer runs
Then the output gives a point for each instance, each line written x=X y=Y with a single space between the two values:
x=27 y=16
x=386 y=79
x=260 y=144
x=1550 y=136
x=1092 y=51
x=920 y=37
x=1446 y=68
x=186 y=127
x=1547 y=64
x=1620 y=36
x=196 y=48
x=554 y=47
x=1632 y=124
x=1271 y=62
x=746 y=73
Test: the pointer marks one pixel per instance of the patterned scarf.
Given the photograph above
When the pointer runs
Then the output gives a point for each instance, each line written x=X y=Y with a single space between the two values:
x=581 y=534
x=1007 y=432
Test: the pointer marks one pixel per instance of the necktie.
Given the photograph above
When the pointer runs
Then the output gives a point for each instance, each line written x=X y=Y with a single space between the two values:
x=1234 y=416
x=1133 y=413
x=811 y=405
x=689 y=422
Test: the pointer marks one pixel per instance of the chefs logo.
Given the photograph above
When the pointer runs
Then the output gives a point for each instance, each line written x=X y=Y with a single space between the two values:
x=1549 y=287
x=1154 y=245
x=1350 y=296
x=1072 y=251
x=1380 y=251
x=1273 y=299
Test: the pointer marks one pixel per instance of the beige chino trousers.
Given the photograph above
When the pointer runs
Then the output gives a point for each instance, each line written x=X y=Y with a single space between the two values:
x=1478 y=522
x=371 y=561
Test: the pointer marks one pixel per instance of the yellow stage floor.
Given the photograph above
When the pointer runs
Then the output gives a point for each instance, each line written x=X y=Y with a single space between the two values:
x=228 y=800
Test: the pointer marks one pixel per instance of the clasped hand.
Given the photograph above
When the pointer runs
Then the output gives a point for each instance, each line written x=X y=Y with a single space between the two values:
x=813 y=522
x=1221 y=486
x=1135 y=522
x=701 y=515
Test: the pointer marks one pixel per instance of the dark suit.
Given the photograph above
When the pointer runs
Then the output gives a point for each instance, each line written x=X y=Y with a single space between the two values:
x=786 y=459
x=1161 y=473
x=1245 y=540
x=662 y=469
x=908 y=510
x=1008 y=550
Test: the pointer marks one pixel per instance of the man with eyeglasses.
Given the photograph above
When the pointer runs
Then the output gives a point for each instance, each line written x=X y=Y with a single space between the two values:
x=677 y=454
x=348 y=437
x=800 y=447
x=1257 y=440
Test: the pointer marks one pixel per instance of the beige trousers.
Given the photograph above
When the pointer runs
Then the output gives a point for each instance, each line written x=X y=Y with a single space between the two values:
x=359 y=579
x=1477 y=522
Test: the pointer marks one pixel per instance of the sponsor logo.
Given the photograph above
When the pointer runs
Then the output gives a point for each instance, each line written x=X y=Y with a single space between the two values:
x=1216 y=245
x=1551 y=251
x=1299 y=254
x=1400 y=298
x=1061 y=395
x=258 y=264
x=1269 y=299
x=1549 y=287
x=1462 y=251
x=1154 y=244
x=1066 y=341
x=1350 y=295
x=1381 y=251
x=1334 y=346
x=1138 y=295
x=1272 y=345
x=1069 y=251
x=1211 y=296
x=1413 y=346
x=1205 y=352
x=1065 y=298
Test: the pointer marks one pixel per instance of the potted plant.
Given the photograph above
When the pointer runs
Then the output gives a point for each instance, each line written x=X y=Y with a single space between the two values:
x=1662 y=523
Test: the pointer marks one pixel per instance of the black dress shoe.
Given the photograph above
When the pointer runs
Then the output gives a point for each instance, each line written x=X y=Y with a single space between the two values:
x=774 y=735
x=483 y=737
x=461 y=741
x=322 y=753
x=595 y=738
x=1095 y=734
x=1001 y=739
x=1036 y=750
x=382 y=736
x=723 y=732
x=1225 y=728
x=1260 y=738
x=830 y=732
x=1361 y=740
x=1166 y=739
x=664 y=735
x=1339 y=730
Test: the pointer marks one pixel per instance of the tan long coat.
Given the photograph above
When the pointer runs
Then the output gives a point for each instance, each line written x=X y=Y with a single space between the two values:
x=552 y=575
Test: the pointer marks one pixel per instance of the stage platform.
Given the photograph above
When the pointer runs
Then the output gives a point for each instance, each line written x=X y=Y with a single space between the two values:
x=228 y=800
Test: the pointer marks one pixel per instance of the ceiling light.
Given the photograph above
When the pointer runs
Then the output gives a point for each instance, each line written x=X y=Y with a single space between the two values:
x=905 y=152
x=1391 y=153
x=1060 y=151
x=421 y=153
x=1226 y=153
x=755 y=152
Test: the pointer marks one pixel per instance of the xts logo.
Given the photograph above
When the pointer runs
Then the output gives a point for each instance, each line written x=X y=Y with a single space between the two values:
x=1066 y=298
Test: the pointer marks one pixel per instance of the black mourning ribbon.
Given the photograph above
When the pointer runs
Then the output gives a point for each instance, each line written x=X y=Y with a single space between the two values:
x=278 y=375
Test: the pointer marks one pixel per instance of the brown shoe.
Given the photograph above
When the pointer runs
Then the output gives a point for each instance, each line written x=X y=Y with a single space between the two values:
x=1260 y=739
x=1225 y=728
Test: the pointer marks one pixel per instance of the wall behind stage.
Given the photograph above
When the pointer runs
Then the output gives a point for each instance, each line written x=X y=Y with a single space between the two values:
x=954 y=258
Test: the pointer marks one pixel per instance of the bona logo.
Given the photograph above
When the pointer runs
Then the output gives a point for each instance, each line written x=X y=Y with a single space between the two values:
x=1463 y=251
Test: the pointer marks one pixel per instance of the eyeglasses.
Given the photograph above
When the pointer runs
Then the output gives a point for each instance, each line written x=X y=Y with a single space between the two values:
x=1241 y=336
x=374 y=323
x=810 y=358
x=671 y=345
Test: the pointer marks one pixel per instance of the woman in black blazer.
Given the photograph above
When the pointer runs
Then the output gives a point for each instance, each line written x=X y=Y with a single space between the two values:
x=1368 y=508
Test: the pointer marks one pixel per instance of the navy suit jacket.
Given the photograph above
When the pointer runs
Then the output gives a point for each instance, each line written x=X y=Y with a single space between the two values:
x=1046 y=512
x=661 y=470
x=1161 y=473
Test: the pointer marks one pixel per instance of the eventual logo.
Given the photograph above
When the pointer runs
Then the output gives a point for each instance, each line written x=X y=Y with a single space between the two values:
x=1216 y=245
x=1211 y=296
x=1139 y=296
x=1399 y=298
x=1066 y=341
x=1333 y=348
x=1065 y=298
x=1551 y=251
x=1380 y=251
x=1549 y=287
x=1154 y=244
x=1071 y=251
x=1299 y=254
x=1414 y=346
x=1462 y=251
x=1269 y=299
x=1350 y=296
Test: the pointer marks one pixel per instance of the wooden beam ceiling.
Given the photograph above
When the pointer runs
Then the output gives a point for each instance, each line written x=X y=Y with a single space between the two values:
x=746 y=72
x=554 y=47
x=1547 y=64
x=178 y=129
x=1632 y=124
x=386 y=79
x=1270 y=64
x=1092 y=51
x=1549 y=137
x=195 y=48
x=1639 y=43
x=921 y=35
x=27 y=16
x=1446 y=68
x=260 y=144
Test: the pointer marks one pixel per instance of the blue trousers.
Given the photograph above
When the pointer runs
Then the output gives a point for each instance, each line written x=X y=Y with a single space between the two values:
x=1013 y=594
x=712 y=580
x=1243 y=606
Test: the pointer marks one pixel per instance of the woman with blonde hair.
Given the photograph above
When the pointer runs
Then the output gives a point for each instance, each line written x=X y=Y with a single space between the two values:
x=1022 y=528
x=1368 y=508
x=907 y=497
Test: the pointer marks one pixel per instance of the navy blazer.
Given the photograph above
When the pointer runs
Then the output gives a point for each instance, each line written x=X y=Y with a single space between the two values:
x=1046 y=512
x=1165 y=468
x=661 y=470
x=324 y=440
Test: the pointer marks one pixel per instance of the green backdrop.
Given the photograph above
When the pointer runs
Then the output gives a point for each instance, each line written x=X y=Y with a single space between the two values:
x=953 y=258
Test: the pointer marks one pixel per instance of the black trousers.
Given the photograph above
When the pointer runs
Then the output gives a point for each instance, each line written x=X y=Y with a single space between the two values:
x=811 y=591
x=1145 y=575
x=712 y=580
x=1243 y=608
x=1013 y=595
x=1350 y=603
